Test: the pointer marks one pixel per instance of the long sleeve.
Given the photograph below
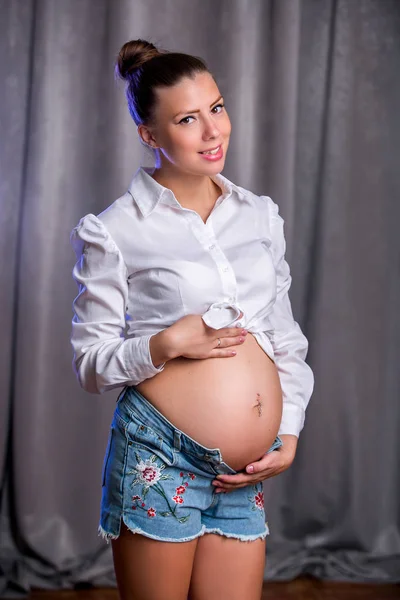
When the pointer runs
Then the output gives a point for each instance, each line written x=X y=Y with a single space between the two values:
x=103 y=358
x=289 y=343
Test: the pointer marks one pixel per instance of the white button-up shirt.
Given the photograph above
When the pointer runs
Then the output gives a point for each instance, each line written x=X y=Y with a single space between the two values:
x=145 y=262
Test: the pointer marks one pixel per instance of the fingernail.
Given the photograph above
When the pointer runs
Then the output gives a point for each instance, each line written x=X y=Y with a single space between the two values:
x=250 y=469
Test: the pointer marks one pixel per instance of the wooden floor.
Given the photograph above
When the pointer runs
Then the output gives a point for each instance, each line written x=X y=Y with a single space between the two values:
x=303 y=588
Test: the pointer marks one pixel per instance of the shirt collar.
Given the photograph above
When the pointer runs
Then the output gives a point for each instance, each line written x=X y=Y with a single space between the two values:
x=147 y=192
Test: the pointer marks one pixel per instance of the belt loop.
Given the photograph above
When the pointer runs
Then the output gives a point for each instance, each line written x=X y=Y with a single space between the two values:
x=177 y=440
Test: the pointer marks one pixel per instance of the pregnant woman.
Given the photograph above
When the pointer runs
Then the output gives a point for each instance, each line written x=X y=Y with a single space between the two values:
x=183 y=302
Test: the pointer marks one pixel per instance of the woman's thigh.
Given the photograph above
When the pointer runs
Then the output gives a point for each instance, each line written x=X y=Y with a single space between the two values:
x=227 y=569
x=148 y=569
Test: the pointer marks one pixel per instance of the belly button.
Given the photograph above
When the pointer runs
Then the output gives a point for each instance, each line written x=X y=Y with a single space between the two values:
x=258 y=405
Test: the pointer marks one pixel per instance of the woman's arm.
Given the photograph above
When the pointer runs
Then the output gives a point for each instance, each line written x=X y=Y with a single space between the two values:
x=103 y=358
x=289 y=343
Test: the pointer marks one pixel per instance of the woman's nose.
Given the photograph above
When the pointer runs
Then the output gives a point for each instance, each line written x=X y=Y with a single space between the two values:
x=210 y=129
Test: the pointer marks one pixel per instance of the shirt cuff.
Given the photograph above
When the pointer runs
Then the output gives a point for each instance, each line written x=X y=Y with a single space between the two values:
x=154 y=370
x=138 y=363
x=292 y=421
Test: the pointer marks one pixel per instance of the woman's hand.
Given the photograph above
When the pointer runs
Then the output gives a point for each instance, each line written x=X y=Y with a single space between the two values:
x=269 y=465
x=192 y=338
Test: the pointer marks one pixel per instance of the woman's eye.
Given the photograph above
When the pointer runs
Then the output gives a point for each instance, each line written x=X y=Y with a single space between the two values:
x=185 y=119
x=216 y=106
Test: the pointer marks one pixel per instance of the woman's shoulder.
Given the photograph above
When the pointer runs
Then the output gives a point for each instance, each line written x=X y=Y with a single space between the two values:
x=91 y=232
x=269 y=218
x=103 y=227
x=263 y=200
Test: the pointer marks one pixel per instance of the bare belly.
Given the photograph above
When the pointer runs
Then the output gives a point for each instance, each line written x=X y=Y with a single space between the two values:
x=216 y=401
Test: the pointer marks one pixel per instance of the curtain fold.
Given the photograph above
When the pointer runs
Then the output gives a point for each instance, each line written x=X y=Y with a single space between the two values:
x=312 y=90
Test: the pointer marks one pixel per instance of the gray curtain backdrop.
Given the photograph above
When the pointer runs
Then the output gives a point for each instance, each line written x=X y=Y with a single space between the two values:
x=313 y=91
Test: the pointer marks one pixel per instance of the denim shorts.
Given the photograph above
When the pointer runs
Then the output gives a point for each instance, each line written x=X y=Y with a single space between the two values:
x=159 y=481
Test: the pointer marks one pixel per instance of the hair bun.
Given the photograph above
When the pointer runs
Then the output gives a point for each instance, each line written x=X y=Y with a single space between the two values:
x=133 y=55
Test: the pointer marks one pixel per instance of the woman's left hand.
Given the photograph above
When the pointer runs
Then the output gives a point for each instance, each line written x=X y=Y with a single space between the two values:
x=269 y=465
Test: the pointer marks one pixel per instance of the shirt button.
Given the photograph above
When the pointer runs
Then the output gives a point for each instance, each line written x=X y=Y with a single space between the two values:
x=225 y=269
x=211 y=247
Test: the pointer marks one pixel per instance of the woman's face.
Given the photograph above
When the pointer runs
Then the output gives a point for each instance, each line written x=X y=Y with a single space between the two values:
x=189 y=119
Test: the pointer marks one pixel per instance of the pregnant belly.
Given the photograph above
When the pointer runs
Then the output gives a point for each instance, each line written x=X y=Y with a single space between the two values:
x=234 y=404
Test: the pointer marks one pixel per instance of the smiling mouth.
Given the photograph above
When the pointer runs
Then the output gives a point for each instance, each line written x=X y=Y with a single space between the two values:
x=214 y=151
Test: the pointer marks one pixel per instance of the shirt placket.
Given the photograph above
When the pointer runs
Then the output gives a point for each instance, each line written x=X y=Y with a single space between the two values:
x=225 y=311
x=206 y=236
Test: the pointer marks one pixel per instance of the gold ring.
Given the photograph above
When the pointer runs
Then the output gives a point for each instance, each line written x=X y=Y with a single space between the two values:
x=219 y=342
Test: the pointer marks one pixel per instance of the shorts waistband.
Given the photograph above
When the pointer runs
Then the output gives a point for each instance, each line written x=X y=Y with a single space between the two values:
x=142 y=408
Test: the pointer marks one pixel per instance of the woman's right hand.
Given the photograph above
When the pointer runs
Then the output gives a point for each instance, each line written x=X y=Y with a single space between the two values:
x=192 y=338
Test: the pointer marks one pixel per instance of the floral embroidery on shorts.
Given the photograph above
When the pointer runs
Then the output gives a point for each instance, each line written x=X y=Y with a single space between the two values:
x=149 y=474
x=257 y=498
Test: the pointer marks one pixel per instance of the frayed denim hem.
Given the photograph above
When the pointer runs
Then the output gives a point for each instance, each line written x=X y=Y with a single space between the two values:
x=239 y=536
x=111 y=536
x=243 y=538
x=106 y=535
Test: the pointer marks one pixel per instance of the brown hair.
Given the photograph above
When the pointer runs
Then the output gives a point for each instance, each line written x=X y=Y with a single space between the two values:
x=144 y=67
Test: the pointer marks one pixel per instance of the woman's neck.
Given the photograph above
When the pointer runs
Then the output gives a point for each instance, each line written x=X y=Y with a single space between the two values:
x=192 y=191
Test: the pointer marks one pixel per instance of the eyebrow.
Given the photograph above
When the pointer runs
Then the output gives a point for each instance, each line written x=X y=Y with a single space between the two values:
x=184 y=112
